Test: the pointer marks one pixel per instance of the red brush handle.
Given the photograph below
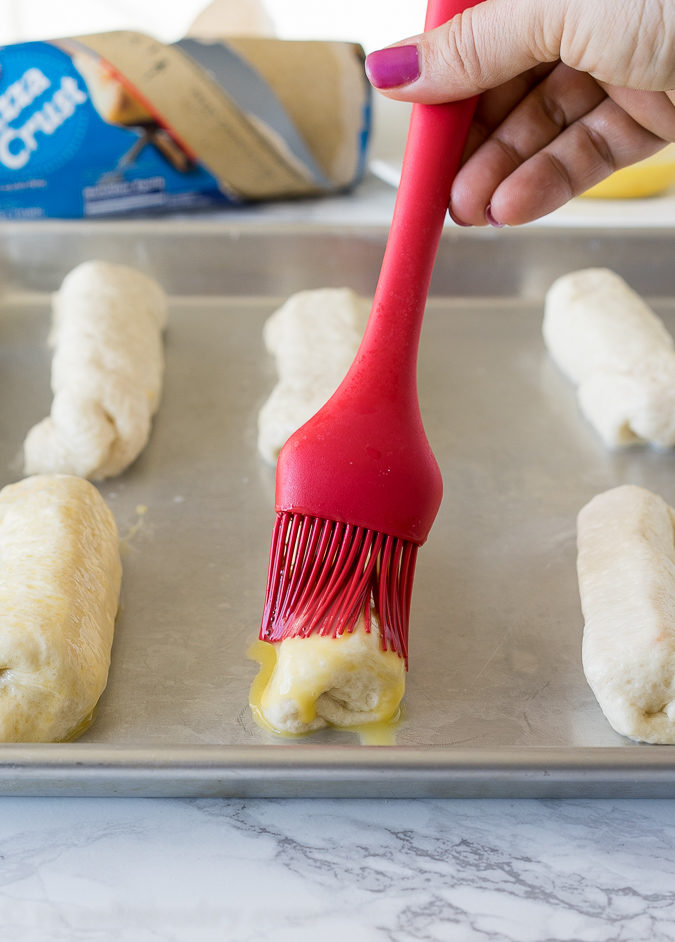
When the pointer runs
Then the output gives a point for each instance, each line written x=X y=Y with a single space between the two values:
x=434 y=147
x=364 y=458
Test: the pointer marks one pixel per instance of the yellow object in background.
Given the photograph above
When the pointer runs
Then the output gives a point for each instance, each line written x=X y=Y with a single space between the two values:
x=649 y=177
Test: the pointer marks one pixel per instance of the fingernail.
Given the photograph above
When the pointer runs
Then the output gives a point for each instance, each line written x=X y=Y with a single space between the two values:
x=458 y=222
x=491 y=219
x=395 y=65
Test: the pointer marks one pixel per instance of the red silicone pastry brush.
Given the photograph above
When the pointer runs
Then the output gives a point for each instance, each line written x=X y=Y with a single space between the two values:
x=357 y=486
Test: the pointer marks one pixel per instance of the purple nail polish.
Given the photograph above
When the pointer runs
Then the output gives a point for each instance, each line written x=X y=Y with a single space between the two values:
x=395 y=65
x=491 y=219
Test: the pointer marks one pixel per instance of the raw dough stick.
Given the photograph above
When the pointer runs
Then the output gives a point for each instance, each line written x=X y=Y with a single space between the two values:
x=60 y=578
x=626 y=569
x=319 y=681
x=344 y=681
x=613 y=346
x=106 y=373
x=314 y=337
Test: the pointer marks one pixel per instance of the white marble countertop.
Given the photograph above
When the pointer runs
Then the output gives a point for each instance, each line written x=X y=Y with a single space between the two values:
x=137 y=870
x=532 y=870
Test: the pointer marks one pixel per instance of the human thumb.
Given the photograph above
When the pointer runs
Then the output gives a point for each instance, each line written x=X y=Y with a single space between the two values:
x=481 y=48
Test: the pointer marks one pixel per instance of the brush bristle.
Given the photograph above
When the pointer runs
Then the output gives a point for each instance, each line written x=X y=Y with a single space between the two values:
x=323 y=576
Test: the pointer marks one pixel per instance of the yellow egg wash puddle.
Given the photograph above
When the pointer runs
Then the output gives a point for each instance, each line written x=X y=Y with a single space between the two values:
x=378 y=734
x=370 y=734
x=266 y=656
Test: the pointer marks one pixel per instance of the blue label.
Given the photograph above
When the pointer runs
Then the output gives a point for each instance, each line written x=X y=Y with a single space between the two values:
x=44 y=110
x=59 y=157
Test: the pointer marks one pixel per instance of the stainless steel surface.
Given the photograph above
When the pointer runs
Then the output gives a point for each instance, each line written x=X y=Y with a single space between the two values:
x=496 y=701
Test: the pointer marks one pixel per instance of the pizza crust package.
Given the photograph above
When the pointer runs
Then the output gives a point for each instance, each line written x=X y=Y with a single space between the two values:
x=118 y=122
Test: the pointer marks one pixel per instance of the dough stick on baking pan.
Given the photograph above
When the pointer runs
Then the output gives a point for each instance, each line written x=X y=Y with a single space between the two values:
x=106 y=373
x=357 y=486
x=60 y=576
x=610 y=343
x=626 y=570
x=312 y=355
x=308 y=683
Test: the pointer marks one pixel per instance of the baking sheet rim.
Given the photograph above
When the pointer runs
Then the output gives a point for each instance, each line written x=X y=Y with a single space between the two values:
x=335 y=771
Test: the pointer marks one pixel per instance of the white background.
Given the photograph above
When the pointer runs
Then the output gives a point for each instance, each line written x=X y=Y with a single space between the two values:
x=370 y=22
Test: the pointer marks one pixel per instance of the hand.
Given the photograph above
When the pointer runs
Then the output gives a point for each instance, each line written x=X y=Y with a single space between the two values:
x=571 y=91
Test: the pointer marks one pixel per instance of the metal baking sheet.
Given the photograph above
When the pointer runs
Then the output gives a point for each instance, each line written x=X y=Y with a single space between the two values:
x=496 y=701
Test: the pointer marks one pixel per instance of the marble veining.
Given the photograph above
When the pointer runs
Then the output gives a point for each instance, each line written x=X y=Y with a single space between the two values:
x=294 y=870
